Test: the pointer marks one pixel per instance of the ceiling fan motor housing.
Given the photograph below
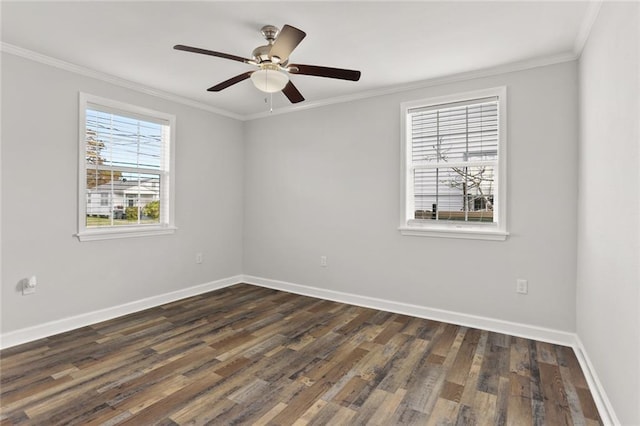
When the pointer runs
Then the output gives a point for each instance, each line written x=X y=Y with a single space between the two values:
x=270 y=32
x=261 y=53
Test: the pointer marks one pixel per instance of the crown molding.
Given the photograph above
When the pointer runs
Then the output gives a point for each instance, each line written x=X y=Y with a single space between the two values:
x=469 y=75
x=593 y=9
x=108 y=78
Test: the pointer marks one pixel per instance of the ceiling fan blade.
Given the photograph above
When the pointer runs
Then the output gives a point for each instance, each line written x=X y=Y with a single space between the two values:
x=233 y=80
x=211 y=53
x=288 y=39
x=292 y=93
x=328 y=72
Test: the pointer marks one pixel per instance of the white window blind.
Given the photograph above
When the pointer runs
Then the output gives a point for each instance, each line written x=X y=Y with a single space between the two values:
x=454 y=153
x=452 y=163
x=126 y=164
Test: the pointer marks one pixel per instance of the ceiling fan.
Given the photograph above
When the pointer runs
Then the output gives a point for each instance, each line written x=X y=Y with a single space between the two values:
x=273 y=64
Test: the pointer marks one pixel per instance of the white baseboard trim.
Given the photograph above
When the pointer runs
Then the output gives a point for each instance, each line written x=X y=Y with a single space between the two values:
x=603 y=404
x=467 y=320
x=29 y=334
x=605 y=409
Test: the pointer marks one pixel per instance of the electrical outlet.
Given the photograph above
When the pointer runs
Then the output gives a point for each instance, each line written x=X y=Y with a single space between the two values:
x=522 y=286
x=323 y=261
x=29 y=285
x=198 y=257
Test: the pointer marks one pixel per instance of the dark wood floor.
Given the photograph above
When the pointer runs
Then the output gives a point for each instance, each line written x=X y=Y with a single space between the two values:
x=250 y=355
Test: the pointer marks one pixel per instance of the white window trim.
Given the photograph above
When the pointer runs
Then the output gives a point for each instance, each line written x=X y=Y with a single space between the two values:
x=124 y=231
x=477 y=231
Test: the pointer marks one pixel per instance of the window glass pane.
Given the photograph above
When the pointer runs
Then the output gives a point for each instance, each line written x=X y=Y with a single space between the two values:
x=127 y=199
x=114 y=140
x=455 y=134
x=454 y=193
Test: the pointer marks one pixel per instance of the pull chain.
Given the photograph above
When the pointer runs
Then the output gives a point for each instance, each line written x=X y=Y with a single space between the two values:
x=270 y=101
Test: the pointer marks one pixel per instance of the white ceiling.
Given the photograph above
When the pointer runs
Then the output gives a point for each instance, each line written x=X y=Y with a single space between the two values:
x=392 y=43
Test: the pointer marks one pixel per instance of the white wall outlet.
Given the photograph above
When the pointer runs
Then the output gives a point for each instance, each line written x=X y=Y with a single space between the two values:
x=29 y=285
x=522 y=286
x=198 y=257
x=323 y=261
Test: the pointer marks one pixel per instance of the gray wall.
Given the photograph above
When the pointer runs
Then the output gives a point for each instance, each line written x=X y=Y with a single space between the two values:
x=326 y=182
x=608 y=279
x=40 y=176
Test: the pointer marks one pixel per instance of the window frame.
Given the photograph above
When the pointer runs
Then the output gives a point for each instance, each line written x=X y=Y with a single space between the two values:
x=166 y=173
x=454 y=229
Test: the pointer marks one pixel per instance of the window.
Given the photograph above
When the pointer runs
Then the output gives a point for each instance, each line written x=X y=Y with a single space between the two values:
x=126 y=170
x=453 y=166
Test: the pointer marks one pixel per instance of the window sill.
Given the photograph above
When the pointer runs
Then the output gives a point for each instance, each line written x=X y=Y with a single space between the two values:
x=469 y=233
x=129 y=232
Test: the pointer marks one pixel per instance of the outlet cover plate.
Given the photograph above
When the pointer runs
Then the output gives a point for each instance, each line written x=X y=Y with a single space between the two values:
x=28 y=290
x=522 y=286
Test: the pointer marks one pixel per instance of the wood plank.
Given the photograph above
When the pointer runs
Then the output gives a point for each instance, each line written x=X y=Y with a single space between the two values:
x=349 y=392
x=325 y=415
x=519 y=361
x=445 y=412
x=459 y=371
x=401 y=366
x=485 y=408
x=589 y=409
x=369 y=406
x=466 y=416
x=571 y=362
x=388 y=408
x=519 y=410
x=343 y=416
x=451 y=391
x=494 y=366
x=311 y=413
x=502 y=401
x=266 y=418
x=573 y=399
x=471 y=385
x=556 y=407
x=546 y=353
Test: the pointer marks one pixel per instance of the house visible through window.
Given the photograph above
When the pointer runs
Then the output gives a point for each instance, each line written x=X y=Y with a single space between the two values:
x=453 y=166
x=126 y=174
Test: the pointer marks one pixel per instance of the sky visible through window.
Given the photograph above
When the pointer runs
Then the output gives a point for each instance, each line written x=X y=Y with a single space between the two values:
x=124 y=141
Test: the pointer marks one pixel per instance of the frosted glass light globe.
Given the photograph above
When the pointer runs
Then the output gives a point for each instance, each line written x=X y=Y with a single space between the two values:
x=269 y=81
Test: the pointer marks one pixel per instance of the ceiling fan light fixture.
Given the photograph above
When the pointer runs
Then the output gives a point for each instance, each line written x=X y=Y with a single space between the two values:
x=272 y=61
x=269 y=80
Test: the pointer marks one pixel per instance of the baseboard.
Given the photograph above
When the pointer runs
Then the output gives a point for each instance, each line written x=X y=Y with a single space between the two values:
x=605 y=408
x=29 y=334
x=603 y=404
x=491 y=324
